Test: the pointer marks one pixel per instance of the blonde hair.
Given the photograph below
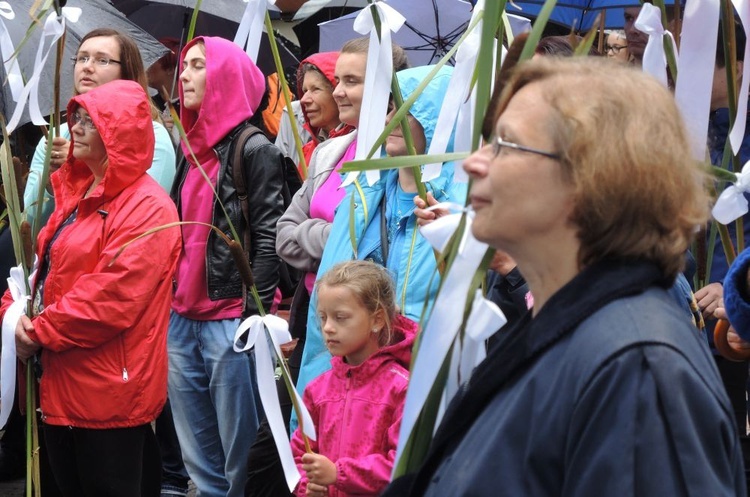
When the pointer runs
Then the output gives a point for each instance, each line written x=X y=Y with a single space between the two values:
x=638 y=193
x=372 y=285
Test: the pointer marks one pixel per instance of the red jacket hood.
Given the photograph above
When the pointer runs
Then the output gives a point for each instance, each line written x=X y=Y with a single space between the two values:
x=121 y=113
x=404 y=334
x=234 y=88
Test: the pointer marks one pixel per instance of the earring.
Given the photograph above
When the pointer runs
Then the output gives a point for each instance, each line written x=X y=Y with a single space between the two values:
x=375 y=330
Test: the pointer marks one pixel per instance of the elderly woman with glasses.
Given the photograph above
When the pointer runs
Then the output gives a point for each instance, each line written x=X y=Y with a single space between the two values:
x=100 y=321
x=604 y=388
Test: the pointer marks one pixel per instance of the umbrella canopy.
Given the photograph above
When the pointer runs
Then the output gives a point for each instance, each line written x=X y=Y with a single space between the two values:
x=95 y=14
x=171 y=18
x=578 y=15
x=431 y=29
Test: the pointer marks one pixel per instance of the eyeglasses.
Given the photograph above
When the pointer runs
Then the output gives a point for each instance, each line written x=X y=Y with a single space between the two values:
x=498 y=144
x=614 y=48
x=99 y=61
x=85 y=122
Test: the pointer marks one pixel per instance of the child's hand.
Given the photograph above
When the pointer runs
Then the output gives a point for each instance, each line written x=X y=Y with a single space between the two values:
x=314 y=490
x=319 y=469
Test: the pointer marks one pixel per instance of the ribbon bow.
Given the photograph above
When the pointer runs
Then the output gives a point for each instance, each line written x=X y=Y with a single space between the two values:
x=250 y=29
x=17 y=287
x=276 y=331
x=442 y=329
x=54 y=28
x=377 y=81
x=732 y=203
x=654 y=59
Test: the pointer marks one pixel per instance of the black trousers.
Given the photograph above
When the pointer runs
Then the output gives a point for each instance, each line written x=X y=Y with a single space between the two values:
x=122 y=462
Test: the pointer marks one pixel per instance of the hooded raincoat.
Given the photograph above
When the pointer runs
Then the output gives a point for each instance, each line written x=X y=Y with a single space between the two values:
x=411 y=258
x=357 y=415
x=103 y=329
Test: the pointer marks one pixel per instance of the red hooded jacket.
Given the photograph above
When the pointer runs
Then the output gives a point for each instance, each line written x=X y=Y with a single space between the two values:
x=103 y=329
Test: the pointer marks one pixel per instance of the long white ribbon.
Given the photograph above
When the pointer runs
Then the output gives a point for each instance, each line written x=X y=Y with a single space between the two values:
x=54 y=27
x=696 y=68
x=377 y=81
x=440 y=231
x=654 y=59
x=250 y=30
x=276 y=331
x=12 y=69
x=732 y=203
x=442 y=327
x=737 y=134
x=457 y=98
x=17 y=287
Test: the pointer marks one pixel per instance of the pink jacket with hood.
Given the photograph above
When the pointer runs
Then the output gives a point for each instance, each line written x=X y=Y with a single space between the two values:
x=357 y=414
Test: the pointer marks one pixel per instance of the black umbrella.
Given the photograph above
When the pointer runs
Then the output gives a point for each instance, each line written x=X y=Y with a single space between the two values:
x=171 y=18
x=95 y=14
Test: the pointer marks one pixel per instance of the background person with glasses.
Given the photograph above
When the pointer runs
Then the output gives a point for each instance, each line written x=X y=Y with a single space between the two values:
x=616 y=47
x=100 y=323
x=103 y=56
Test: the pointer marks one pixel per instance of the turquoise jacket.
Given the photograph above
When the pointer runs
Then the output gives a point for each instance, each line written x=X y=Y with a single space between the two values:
x=416 y=278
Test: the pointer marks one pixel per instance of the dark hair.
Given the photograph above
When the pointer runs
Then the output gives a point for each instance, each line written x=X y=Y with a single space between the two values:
x=170 y=61
x=561 y=46
x=362 y=45
x=739 y=42
x=131 y=63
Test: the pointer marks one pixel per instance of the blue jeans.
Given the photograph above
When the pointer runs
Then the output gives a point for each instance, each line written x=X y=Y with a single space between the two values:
x=212 y=392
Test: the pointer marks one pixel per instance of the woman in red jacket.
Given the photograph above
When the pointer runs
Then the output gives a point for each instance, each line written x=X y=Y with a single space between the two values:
x=100 y=322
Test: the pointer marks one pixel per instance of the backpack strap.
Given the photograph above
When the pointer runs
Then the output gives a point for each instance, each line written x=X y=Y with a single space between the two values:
x=238 y=174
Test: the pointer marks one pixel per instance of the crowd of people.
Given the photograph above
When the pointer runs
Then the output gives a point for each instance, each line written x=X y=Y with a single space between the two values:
x=603 y=381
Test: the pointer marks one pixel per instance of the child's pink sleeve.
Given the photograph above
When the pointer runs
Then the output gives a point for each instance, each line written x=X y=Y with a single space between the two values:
x=298 y=445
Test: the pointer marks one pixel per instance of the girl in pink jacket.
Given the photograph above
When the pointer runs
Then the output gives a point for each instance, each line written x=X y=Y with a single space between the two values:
x=356 y=406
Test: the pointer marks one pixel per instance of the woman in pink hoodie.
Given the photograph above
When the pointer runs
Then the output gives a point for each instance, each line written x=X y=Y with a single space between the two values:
x=357 y=406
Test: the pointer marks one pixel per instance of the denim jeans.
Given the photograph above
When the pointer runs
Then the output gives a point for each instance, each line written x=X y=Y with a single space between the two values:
x=211 y=389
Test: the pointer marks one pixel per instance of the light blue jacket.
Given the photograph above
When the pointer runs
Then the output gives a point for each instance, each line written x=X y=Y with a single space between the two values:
x=416 y=277
x=162 y=170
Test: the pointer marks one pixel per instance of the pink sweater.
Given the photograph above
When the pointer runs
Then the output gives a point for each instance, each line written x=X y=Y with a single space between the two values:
x=357 y=415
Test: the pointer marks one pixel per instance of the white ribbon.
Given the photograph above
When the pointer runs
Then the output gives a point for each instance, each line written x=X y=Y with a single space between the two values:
x=441 y=330
x=732 y=203
x=457 y=98
x=17 y=287
x=737 y=134
x=377 y=81
x=250 y=30
x=654 y=59
x=696 y=68
x=54 y=27
x=440 y=231
x=484 y=320
x=276 y=331
x=12 y=69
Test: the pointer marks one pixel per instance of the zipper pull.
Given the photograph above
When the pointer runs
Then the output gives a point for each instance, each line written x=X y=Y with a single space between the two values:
x=124 y=374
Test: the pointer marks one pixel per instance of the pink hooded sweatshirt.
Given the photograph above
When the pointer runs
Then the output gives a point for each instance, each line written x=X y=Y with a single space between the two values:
x=234 y=88
x=357 y=415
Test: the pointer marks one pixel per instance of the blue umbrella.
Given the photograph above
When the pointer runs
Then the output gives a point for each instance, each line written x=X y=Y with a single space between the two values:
x=578 y=15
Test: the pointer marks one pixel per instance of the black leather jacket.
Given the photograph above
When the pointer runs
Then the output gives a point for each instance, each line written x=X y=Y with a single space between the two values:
x=263 y=169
